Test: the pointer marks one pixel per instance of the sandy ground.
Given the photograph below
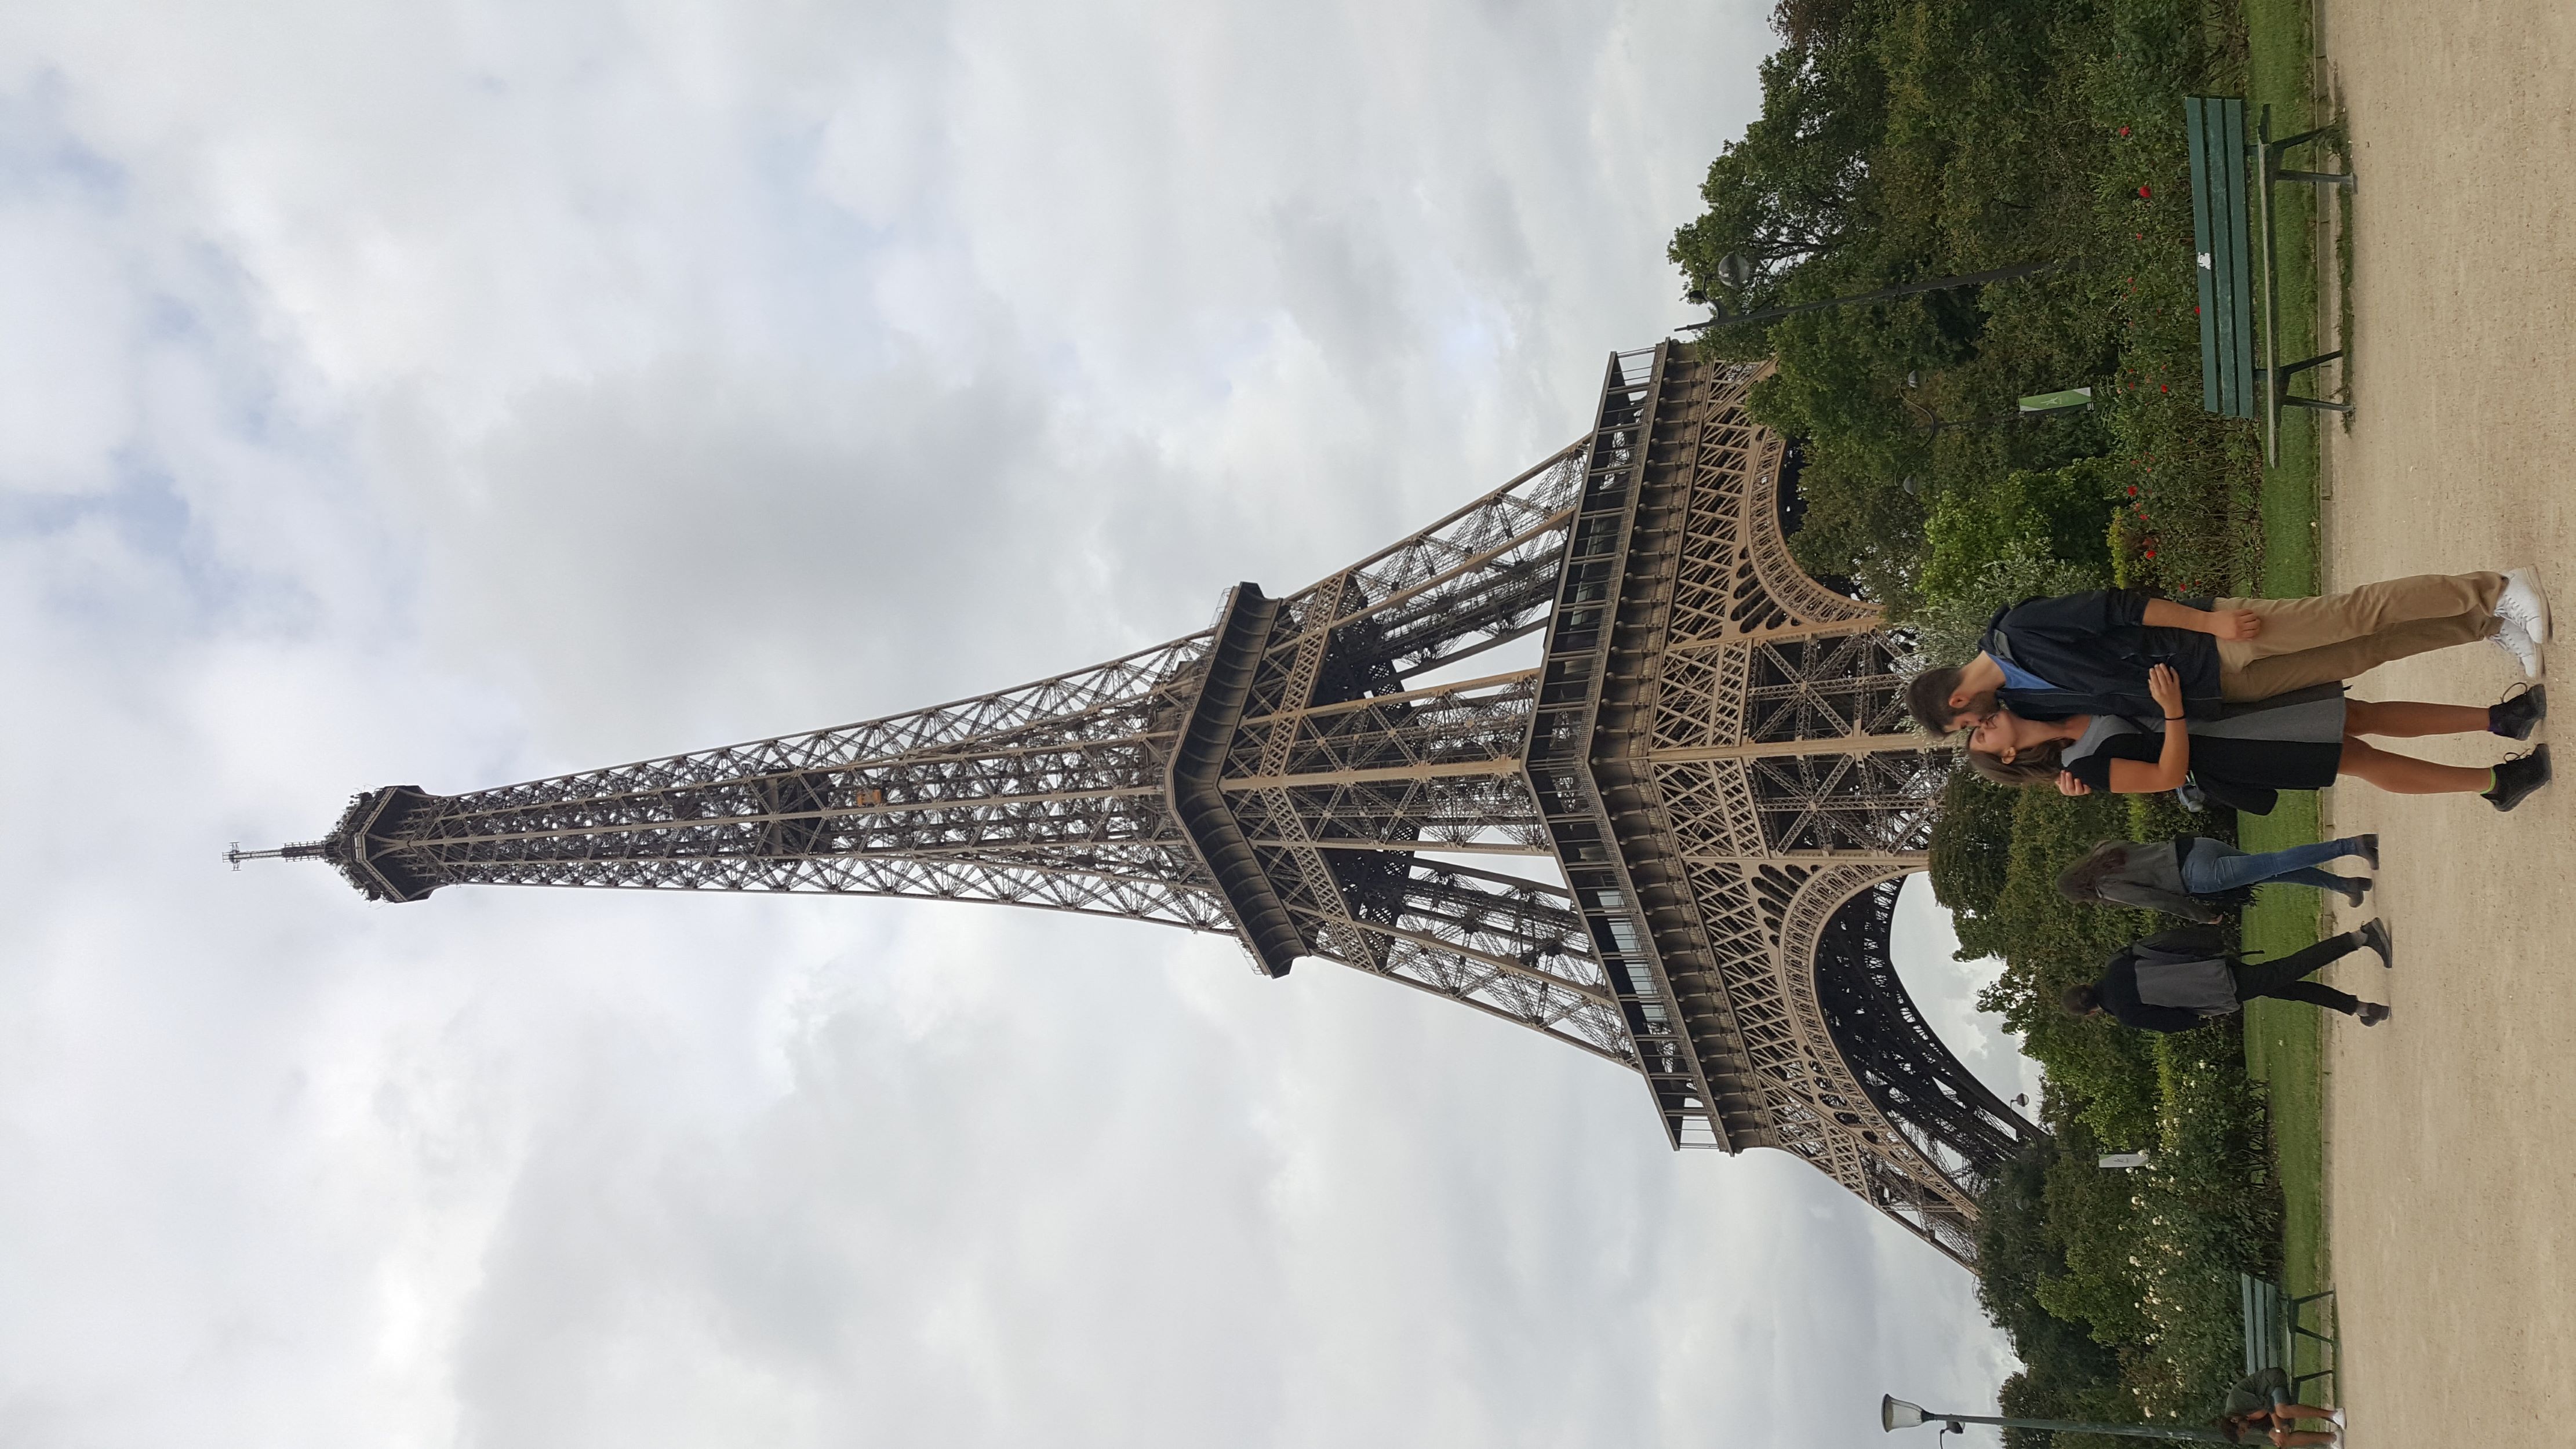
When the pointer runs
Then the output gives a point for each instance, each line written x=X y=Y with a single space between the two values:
x=2451 y=1174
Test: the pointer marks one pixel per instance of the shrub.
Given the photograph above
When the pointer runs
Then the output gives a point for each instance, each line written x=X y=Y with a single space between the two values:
x=1971 y=849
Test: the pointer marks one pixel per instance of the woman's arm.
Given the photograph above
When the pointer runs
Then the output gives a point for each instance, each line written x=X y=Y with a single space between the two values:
x=2136 y=777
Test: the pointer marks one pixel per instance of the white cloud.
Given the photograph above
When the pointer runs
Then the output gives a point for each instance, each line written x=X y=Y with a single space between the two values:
x=448 y=393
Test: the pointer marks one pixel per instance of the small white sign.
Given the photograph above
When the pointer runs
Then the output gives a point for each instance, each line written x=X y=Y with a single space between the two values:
x=2124 y=1159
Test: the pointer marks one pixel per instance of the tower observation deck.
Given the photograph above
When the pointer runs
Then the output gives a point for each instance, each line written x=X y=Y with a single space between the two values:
x=1710 y=751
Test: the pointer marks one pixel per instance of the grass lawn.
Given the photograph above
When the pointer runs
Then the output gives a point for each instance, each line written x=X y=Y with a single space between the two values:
x=2284 y=1040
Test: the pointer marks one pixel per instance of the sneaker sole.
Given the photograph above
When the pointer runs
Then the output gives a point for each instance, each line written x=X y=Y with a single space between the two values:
x=2540 y=596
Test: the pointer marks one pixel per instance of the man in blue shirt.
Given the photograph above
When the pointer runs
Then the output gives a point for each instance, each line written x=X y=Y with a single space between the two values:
x=2089 y=653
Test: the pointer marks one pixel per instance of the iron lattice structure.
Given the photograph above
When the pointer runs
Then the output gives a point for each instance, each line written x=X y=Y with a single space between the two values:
x=1710 y=751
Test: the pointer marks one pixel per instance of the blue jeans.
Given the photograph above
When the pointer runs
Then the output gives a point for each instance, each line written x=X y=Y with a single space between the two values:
x=2212 y=867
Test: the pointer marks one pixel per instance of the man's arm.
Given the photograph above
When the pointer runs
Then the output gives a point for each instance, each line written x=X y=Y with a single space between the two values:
x=2232 y=624
x=2167 y=1019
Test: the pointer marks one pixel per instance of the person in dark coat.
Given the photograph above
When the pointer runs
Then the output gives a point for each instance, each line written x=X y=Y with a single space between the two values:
x=2198 y=879
x=2180 y=979
x=2089 y=653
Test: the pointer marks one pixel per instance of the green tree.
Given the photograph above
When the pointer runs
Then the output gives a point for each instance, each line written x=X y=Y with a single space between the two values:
x=1971 y=850
x=2018 y=1249
x=1797 y=185
x=2096 y=1215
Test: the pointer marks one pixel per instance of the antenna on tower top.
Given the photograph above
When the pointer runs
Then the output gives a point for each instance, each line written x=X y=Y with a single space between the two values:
x=300 y=850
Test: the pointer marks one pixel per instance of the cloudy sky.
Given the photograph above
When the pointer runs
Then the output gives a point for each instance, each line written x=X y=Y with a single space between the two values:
x=459 y=392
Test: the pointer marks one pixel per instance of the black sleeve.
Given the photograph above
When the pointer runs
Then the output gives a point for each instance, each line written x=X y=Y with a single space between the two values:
x=2095 y=769
x=2156 y=1018
x=2095 y=611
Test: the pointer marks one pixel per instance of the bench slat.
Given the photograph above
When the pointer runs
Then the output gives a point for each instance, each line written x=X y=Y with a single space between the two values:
x=2221 y=255
x=2240 y=268
x=2204 y=254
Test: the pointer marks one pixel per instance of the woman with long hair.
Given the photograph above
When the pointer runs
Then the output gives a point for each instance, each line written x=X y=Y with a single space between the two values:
x=2198 y=879
x=2304 y=740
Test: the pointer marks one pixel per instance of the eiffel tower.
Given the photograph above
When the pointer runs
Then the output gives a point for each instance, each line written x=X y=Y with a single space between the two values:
x=1674 y=844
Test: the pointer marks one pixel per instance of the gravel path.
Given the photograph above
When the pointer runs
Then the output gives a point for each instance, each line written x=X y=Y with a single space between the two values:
x=2451 y=1173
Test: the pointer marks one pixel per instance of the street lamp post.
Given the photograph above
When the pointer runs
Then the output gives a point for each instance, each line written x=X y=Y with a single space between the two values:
x=1894 y=1414
x=1735 y=271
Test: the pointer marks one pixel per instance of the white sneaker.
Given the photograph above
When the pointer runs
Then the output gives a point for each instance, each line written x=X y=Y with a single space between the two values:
x=2510 y=638
x=2523 y=603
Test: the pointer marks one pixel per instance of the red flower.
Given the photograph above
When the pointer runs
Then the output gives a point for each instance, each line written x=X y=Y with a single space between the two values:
x=2124 y=130
x=2133 y=490
x=2142 y=191
x=2164 y=389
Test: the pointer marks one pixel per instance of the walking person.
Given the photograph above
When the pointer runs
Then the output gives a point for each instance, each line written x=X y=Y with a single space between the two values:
x=2199 y=879
x=2089 y=653
x=2179 y=979
x=2300 y=741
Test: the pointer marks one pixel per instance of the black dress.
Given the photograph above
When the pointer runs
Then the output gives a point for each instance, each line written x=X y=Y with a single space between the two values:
x=2291 y=741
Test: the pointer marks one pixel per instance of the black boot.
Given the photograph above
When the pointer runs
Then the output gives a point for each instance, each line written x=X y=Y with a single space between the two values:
x=2514 y=718
x=2518 y=777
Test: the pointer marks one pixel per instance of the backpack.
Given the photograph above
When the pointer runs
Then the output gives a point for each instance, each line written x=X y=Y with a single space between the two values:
x=2182 y=943
x=2179 y=947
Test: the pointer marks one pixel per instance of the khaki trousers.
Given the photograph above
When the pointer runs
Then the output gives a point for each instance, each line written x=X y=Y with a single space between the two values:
x=2330 y=637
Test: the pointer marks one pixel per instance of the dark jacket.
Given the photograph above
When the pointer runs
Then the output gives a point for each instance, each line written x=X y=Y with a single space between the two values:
x=2096 y=648
x=2236 y=794
x=2119 y=983
x=2149 y=877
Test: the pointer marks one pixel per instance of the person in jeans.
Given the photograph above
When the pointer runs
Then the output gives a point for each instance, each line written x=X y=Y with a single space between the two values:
x=2197 y=878
x=2089 y=653
x=2182 y=978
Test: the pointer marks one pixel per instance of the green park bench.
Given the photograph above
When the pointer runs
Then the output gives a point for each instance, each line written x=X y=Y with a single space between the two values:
x=2230 y=380
x=2273 y=1331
